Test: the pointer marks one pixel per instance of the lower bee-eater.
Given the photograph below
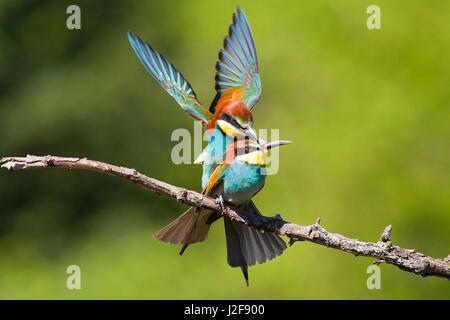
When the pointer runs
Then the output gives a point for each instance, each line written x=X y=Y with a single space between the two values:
x=235 y=181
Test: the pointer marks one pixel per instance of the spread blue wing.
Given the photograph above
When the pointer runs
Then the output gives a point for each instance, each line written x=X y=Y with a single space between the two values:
x=169 y=78
x=237 y=69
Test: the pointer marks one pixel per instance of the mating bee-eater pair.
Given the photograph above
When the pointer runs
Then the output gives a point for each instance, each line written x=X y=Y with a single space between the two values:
x=234 y=160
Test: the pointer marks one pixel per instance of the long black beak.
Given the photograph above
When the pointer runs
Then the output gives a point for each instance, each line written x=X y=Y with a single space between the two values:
x=272 y=144
x=251 y=134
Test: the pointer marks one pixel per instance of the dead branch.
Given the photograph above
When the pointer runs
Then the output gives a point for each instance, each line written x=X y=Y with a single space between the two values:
x=384 y=251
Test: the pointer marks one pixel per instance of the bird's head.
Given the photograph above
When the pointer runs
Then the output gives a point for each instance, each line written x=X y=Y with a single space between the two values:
x=250 y=151
x=236 y=121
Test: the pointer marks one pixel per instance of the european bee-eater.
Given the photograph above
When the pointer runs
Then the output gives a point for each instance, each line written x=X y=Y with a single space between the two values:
x=238 y=83
x=238 y=88
x=236 y=180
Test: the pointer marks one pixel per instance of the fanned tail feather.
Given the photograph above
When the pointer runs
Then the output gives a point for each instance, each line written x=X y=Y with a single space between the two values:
x=246 y=245
x=191 y=227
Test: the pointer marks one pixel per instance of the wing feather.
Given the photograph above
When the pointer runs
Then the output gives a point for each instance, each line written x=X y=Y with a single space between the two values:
x=169 y=78
x=238 y=67
x=215 y=178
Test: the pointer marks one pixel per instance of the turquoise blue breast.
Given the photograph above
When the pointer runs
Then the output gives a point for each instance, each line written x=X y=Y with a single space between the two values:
x=241 y=182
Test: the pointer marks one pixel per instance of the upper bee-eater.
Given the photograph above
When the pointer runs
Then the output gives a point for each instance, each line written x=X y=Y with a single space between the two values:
x=238 y=88
x=238 y=84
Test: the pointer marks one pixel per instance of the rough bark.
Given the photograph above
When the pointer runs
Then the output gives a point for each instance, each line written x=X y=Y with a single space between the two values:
x=383 y=250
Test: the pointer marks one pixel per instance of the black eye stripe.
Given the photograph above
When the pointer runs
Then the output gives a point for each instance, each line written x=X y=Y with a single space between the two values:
x=236 y=123
x=246 y=150
x=229 y=119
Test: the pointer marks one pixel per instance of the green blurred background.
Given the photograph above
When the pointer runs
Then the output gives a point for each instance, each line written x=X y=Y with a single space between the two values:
x=367 y=110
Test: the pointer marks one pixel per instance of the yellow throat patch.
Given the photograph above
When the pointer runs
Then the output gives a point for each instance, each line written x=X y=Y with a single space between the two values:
x=256 y=158
x=229 y=130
